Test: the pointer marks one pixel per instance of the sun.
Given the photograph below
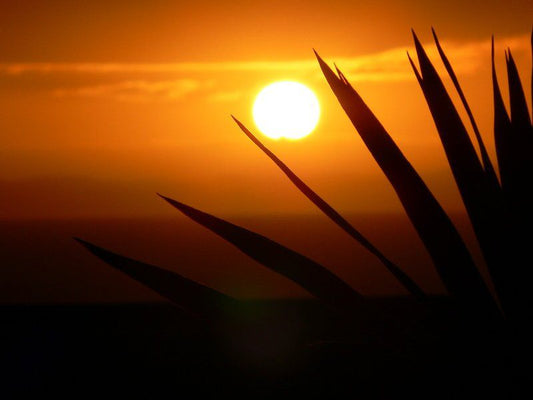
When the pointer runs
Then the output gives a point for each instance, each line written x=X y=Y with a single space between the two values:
x=286 y=109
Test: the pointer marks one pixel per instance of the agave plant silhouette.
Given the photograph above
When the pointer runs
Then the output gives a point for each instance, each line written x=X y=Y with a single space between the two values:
x=500 y=210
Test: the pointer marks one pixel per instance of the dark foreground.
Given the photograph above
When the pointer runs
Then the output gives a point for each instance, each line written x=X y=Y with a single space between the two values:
x=398 y=348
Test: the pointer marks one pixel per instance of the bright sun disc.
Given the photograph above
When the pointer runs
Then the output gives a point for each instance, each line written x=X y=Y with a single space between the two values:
x=286 y=110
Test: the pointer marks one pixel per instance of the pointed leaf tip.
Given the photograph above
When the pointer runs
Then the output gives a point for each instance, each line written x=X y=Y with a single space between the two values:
x=160 y=195
x=435 y=35
x=415 y=37
x=331 y=213
x=195 y=298
x=415 y=69
x=305 y=272
x=80 y=241
x=168 y=199
x=237 y=121
x=519 y=108
x=321 y=62
x=89 y=246
x=173 y=202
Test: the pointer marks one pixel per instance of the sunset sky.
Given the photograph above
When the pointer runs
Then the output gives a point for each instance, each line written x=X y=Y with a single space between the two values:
x=104 y=103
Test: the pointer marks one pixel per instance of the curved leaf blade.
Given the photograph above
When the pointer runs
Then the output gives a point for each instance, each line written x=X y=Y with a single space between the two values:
x=519 y=109
x=444 y=244
x=191 y=296
x=311 y=276
x=487 y=164
x=481 y=196
x=521 y=132
x=465 y=164
x=338 y=219
x=502 y=133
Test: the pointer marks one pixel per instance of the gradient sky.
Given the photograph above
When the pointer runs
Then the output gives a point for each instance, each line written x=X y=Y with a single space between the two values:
x=103 y=103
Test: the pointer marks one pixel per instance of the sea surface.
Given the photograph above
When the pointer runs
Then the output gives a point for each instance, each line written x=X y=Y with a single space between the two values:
x=73 y=326
x=41 y=263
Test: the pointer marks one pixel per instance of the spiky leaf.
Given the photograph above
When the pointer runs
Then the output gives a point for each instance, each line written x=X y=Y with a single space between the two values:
x=481 y=196
x=338 y=219
x=446 y=248
x=487 y=164
x=191 y=296
x=503 y=135
x=310 y=275
x=519 y=108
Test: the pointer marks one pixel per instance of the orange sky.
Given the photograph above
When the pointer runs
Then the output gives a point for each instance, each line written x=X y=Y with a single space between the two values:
x=103 y=104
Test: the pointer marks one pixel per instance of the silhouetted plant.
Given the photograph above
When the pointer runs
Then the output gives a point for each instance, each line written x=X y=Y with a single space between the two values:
x=499 y=212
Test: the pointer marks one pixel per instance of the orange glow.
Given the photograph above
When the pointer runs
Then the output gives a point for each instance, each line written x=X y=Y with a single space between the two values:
x=101 y=105
x=287 y=110
x=104 y=103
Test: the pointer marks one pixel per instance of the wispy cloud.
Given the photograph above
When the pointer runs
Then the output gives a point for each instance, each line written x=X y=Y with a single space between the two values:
x=138 y=90
x=386 y=65
x=392 y=65
x=220 y=97
x=145 y=81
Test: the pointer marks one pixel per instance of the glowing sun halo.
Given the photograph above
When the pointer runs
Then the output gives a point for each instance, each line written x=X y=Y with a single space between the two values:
x=286 y=109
